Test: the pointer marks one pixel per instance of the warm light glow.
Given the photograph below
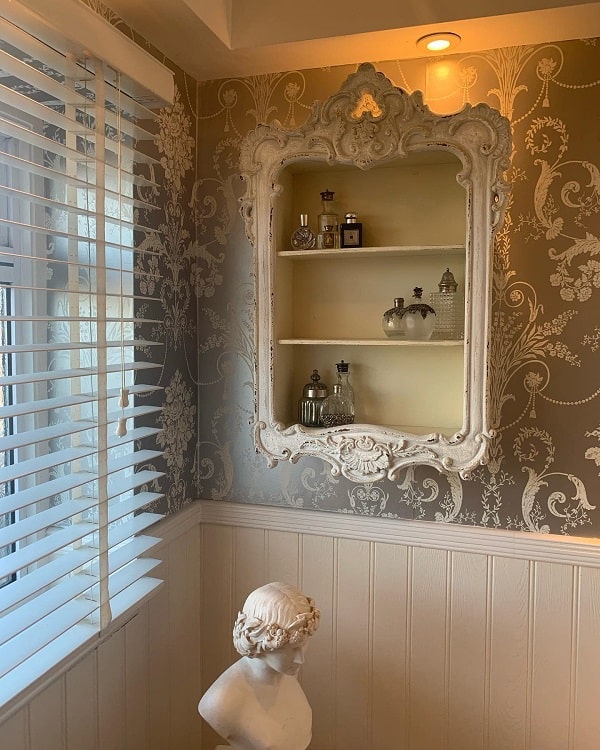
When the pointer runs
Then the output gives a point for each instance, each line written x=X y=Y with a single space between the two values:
x=435 y=45
x=438 y=42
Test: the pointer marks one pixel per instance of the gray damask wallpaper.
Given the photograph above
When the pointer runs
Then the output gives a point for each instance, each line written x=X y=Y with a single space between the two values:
x=545 y=349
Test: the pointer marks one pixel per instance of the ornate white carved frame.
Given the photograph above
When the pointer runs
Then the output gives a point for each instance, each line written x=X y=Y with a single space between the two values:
x=367 y=122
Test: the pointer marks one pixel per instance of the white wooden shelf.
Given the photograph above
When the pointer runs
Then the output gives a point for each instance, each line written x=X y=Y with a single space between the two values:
x=398 y=341
x=439 y=251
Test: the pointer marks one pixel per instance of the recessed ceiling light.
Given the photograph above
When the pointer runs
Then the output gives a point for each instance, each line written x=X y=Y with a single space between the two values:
x=441 y=41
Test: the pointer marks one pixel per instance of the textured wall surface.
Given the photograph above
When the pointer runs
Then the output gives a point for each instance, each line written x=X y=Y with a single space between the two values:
x=545 y=397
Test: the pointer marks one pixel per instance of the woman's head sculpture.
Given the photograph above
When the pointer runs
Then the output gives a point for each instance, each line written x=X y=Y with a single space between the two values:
x=272 y=617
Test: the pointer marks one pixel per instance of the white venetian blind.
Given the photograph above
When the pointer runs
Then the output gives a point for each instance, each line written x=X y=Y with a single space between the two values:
x=76 y=461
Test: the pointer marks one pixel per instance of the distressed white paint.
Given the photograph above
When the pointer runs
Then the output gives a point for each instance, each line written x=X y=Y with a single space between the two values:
x=368 y=124
x=431 y=637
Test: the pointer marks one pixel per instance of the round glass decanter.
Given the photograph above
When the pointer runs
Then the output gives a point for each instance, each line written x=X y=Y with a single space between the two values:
x=419 y=318
x=303 y=238
x=336 y=409
x=392 y=322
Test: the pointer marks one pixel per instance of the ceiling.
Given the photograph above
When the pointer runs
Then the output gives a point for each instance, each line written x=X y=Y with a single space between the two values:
x=212 y=39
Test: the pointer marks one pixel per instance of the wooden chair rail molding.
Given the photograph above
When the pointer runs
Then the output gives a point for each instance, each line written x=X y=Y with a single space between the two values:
x=496 y=542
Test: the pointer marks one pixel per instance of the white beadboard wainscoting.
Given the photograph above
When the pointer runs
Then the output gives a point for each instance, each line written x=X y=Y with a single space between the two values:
x=432 y=637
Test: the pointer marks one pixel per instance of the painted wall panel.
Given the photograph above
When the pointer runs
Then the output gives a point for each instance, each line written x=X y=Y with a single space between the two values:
x=111 y=692
x=319 y=580
x=509 y=655
x=551 y=678
x=586 y=727
x=159 y=692
x=283 y=557
x=250 y=561
x=136 y=681
x=428 y=648
x=390 y=654
x=353 y=644
x=184 y=636
x=14 y=731
x=46 y=718
x=467 y=652
x=216 y=611
x=81 y=704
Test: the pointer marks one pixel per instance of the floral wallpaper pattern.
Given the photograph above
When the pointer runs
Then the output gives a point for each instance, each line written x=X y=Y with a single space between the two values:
x=544 y=391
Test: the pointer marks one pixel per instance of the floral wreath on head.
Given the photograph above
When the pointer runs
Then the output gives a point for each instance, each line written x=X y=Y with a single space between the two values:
x=253 y=637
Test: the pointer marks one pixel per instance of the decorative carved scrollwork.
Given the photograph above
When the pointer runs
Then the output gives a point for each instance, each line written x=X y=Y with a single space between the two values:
x=368 y=122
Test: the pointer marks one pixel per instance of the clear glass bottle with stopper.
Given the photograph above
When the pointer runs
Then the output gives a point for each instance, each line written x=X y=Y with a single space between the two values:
x=303 y=238
x=449 y=307
x=336 y=410
x=329 y=223
x=343 y=374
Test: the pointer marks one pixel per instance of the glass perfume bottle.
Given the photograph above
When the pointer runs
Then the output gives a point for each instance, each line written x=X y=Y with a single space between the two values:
x=303 y=238
x=343 y=376
x=336 y=409
x=329 y=223
x=351 y=231
x=392 y=322
x=449 y=307
x=419 y=318
x=309 y=406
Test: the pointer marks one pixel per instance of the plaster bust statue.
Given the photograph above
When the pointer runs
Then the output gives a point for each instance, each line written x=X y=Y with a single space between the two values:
x=257 y=703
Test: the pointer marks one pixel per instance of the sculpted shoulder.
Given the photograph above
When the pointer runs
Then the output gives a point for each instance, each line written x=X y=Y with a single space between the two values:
x=226 y=698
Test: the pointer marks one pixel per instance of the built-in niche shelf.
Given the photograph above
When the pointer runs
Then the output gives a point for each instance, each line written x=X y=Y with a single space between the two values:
x=399 y=341
x=341 y=255
x=429 y=192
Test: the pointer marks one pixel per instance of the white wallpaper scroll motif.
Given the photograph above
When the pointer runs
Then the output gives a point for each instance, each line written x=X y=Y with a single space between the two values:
x=538 y=478
x=545 y=345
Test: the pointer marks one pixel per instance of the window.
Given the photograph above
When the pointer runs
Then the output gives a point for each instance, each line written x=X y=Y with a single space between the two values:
x=75 y=460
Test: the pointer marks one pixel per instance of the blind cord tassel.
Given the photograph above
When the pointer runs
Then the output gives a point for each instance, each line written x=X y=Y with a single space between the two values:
x=122 y=422
x=122 y=427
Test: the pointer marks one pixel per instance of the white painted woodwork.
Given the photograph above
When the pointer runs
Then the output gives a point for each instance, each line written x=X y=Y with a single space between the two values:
x=585 y=729
x=46 y=719
x=136 y=681
x=81 y=704
x=112 y=692
x=429 y=192
x=432 y=637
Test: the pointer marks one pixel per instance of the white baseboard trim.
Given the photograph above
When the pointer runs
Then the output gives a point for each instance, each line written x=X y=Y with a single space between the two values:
x=477 y=540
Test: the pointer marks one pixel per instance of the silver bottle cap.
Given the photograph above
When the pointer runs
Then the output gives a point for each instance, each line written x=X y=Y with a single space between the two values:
x=447 y=283
x=314 y=389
